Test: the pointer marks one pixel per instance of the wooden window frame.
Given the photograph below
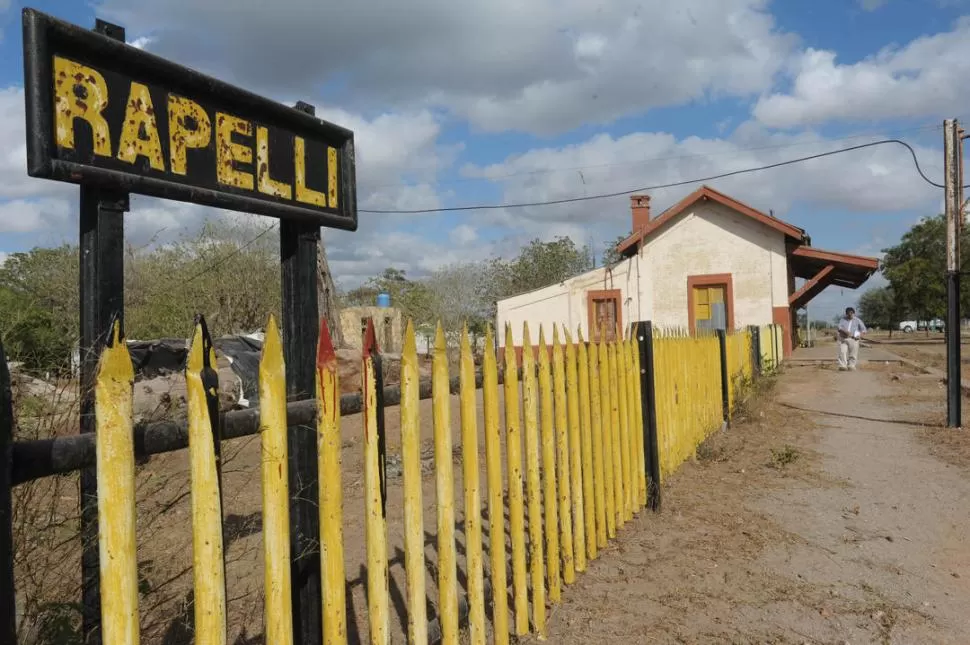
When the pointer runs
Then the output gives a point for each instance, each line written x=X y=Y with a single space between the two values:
x=725 y=280
x=603 y=294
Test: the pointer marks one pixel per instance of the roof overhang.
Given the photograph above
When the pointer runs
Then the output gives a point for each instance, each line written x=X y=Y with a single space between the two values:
x=849 y=271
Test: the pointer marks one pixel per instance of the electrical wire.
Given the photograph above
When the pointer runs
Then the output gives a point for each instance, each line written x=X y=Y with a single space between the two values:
x=232 y=254
x=585 y=198
x=651 y=160
x=620 y=193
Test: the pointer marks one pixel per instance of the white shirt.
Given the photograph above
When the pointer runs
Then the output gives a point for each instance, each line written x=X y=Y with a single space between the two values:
x=852 y=327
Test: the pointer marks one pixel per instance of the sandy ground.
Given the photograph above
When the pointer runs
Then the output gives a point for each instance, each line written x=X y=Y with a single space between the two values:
x=931 y=354
x=832 y=511
x=836 y=522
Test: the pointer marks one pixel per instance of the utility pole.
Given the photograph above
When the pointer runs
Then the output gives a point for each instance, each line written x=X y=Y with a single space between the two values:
x=953 y=168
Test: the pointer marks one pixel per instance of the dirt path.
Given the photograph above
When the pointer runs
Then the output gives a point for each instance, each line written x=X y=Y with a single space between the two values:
x=799 y=527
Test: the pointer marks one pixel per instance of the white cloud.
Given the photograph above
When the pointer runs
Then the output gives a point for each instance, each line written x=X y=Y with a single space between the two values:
x=917 y=80
x=871 y=5
x=14 y=182
x=878 y=179
x=142 y=42
x=3 y=257
x=28 y=216
x=542 y=66
x=463 y=234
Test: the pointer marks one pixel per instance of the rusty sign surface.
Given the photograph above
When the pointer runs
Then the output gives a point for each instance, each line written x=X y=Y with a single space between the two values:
x=102 y=112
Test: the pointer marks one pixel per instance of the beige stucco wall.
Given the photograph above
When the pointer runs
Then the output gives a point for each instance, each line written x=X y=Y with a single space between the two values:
x=714 y=239
x=565 y=303
x=709 y=239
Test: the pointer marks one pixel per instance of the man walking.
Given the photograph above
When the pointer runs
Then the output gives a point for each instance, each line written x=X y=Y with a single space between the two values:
x=851 y=329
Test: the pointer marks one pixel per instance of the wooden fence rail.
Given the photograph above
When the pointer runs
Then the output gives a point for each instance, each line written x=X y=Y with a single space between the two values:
x=590 y=431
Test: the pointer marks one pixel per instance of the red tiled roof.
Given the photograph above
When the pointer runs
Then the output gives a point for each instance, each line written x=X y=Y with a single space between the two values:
x=629 y=245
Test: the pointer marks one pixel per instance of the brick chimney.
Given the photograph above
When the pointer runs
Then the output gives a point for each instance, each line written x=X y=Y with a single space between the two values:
x=640 y=208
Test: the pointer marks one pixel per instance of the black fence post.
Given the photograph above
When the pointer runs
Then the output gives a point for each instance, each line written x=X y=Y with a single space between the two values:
x=8 y=602
x=725 y=384
x=102 y=299
x=648 y=399
x=373 y=349
x=756 y=349
x=298 y=251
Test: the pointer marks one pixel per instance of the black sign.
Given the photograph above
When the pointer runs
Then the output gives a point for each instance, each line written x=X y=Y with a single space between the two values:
x=102 y=112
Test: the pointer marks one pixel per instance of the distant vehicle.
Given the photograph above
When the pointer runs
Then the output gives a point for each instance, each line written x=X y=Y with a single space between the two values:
x=910 y=326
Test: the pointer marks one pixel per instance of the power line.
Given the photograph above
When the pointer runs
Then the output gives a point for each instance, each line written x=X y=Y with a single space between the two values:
x=650 y=160
x=232 y=254
x=571 y=200
x=584 y=198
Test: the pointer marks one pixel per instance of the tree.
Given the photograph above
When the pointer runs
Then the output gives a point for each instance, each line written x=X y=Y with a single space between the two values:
x=916 y=269
x=610 y=255
x=327 y=296
x=460 y=297
x=541 y=264
x=229 y=271
x=46 y=280
x=879 y=307
x=31 y=334
x=413 y=298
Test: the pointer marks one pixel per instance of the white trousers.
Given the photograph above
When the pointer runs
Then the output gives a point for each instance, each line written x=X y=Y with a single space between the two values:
x=848 y=353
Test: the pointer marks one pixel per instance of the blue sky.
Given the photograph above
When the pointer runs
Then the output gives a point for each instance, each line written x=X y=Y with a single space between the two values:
x=495 y=101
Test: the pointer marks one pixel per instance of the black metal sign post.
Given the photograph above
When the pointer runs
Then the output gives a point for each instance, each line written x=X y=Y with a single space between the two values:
x=299 y=247
x=118 y=120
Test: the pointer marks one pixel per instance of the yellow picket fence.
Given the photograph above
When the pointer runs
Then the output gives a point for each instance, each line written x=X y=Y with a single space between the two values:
x=687 y=377
x=572 y=414
x=740 y=364
x=578 y=417
x=771 y=346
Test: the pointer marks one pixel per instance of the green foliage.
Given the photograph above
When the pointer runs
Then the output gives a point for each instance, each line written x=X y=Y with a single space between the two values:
x=610 y=256
x=39 y=306
x=783 y=456
x=412 y=297
x=31 y=333
x=541 y=264
x=879 y=307
x=221 y=272
x=916 y=269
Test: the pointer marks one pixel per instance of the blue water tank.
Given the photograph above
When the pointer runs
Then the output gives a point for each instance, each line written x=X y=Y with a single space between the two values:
x=383 y=300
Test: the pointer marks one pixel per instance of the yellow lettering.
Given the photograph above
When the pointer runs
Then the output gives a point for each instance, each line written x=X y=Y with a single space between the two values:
x=228 y=152
x=304 y=194
x=188 y=127
x=264 y=181
x=80 y=93
x=139 y=132
x=332 y=177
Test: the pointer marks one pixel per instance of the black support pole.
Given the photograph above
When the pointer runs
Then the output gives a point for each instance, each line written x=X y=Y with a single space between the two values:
x=372 y=344
x=8 y=603
x=756 y=349
x=954 y=385
x=648 y=398
x=301 y=325
x=102 y=291
x=725 y=384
